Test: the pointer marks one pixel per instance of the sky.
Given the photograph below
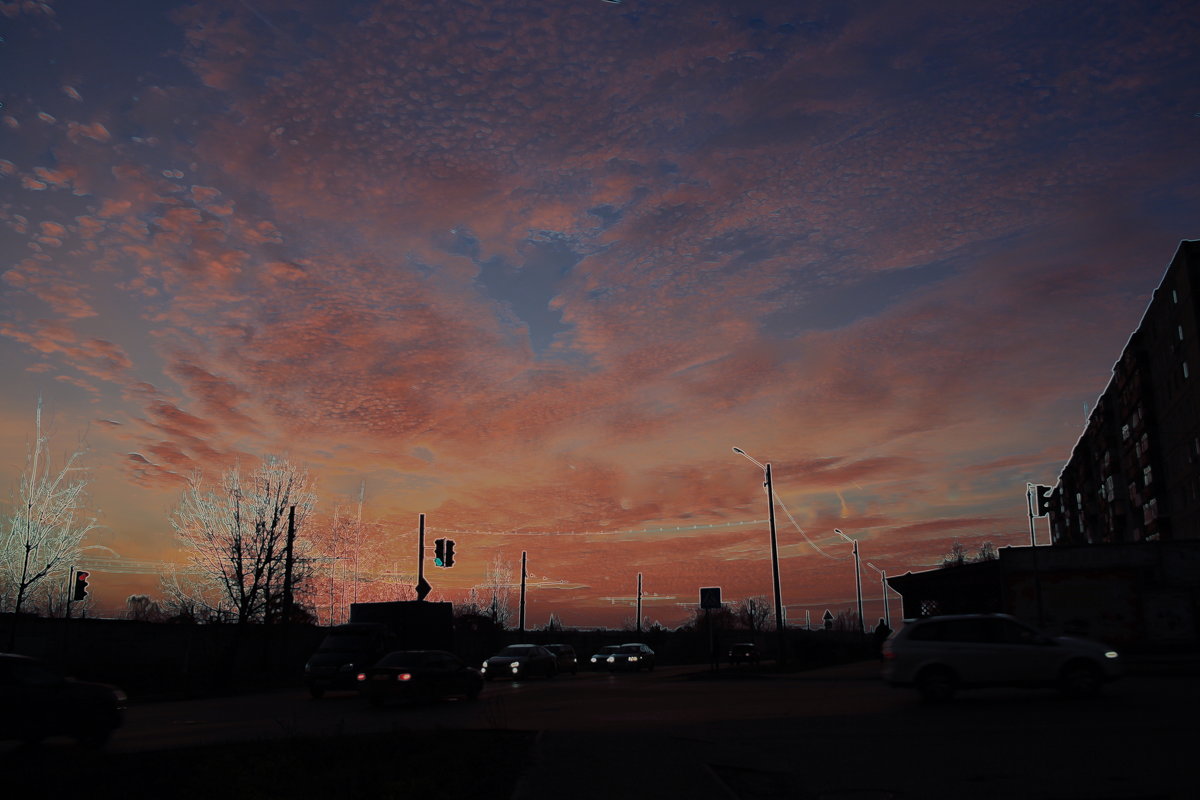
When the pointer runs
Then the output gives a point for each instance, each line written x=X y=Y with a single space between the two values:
x=533 y=269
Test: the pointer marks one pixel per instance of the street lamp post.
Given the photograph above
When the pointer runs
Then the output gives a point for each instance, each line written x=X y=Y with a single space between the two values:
x=862 y=623
x=887 y=613
x=766 y=468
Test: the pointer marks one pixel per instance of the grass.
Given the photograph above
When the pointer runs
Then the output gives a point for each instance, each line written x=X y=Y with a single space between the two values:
x=446 y=765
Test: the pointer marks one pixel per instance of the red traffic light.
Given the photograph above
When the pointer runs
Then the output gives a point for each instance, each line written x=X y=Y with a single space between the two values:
x=80 y=585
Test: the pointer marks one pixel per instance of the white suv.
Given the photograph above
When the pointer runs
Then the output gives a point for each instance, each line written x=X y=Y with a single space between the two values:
x=939 y=655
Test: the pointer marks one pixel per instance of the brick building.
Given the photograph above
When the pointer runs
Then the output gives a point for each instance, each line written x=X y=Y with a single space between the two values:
x=1134 y=474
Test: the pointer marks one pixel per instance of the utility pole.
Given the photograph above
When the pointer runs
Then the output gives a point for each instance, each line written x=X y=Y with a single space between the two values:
x=521 y=626
x=639 y=604
x=775 y=570
x=862 y=623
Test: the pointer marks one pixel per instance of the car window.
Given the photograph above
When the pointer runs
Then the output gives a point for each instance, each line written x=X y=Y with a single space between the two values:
x=403 y=659
x=518 y=650
x=1008 y=631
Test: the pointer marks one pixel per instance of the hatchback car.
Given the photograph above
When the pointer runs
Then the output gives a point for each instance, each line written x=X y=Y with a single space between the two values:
x=521 y=661
x=38 y=701
x=599 y=659
x=419 y=675
x=632 y=656
x=939 y=655
x=566 y=657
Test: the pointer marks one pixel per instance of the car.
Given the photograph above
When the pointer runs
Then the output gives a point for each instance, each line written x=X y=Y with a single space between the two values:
x=632 y=655
x=419 y=676
x=566 y=657
x=599 y=659
x=37 y=701
x=521 y=661
x=743 y=653
x=940 y=655
x=345 y=652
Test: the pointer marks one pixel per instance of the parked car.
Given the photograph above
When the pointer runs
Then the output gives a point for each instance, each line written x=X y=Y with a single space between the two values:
x=419 y=675
x=566 y=657
x=521 y=661
x=599 y=660
x=743 y=653
x=634 y=656
x=37 y=701
x=940 y=655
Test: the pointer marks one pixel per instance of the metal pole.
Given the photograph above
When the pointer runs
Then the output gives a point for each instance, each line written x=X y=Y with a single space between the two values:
x=639 y=604
x=775 y=569
x=887 y=609
x=862 y=623
x=521 y=626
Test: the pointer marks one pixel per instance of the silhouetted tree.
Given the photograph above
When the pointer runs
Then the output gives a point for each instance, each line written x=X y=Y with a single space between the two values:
x=142 y=608
x=236 y=539
x=986 y=552
x=753 y=613
x=44 y=528
x=957 y=555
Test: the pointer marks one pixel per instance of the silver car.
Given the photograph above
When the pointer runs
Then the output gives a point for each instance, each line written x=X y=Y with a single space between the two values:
x=940 y=655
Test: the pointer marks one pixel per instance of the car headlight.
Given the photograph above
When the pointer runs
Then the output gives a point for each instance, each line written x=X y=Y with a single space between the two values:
x=612 y=659
x=516 y=665
x=1111 y=654
x=593 y=659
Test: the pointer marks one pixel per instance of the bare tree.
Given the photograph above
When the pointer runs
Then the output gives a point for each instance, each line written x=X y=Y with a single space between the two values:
x=499 y=591
x=142 y=608
x=753 y=613
x=45 y=523
x=957 y=555
x=236 y=538
x=986 y=552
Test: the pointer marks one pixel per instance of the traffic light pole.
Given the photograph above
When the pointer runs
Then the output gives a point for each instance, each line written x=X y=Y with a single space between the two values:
x=639 y=604
x=521 y=626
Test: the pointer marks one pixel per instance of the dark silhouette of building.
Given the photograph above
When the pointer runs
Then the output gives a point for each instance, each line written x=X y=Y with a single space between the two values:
x=1134 y=474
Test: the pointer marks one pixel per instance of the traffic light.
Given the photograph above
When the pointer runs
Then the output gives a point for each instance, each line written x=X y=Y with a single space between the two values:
x=439 y=552
x=1041 y=501
x=80 y=586
x=449 y=553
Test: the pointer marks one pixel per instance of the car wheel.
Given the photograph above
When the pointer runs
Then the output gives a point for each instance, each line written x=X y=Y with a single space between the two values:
x=1081 y=679
x=936 y=684
x=316 y=692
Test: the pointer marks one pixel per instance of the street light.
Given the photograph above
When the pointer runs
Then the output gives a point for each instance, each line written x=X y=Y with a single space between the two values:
x=766 y=468
x=862 y=623
x=887 y=613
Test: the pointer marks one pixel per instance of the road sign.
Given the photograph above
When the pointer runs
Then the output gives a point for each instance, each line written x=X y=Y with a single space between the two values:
x=710 y=597
x=423 y=588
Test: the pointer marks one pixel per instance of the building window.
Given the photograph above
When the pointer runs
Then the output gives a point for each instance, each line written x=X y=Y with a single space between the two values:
x=1180 y=330
x=1174 y=297
x=1147 y=477
x=1108 y=489
x=1150 y=512
x=1185 y=370
x=1125 y=428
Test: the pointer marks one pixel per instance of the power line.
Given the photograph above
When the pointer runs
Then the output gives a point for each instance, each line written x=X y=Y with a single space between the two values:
x=625 y=532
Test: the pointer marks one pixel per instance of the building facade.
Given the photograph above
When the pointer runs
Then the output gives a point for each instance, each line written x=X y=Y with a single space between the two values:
x=1134 y=474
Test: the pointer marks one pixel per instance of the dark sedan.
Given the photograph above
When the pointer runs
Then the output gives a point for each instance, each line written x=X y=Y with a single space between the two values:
x=419 y=676
x=37 y=701
x=632 y=656
x=521 y=661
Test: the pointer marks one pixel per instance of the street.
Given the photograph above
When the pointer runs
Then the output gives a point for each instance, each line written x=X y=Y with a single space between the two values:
x=830 y=733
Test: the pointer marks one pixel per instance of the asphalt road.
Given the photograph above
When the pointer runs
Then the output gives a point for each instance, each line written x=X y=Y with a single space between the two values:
x=833 y=733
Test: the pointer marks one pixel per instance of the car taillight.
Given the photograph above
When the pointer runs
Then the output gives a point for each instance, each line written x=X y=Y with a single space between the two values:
x=362 y=676
x=888 y=655
x=404 y=676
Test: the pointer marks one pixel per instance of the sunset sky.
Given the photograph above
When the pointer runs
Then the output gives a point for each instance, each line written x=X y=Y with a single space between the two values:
x=536 y=266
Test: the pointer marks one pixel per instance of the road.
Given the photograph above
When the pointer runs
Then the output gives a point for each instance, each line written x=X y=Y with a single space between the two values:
x=832 y=733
